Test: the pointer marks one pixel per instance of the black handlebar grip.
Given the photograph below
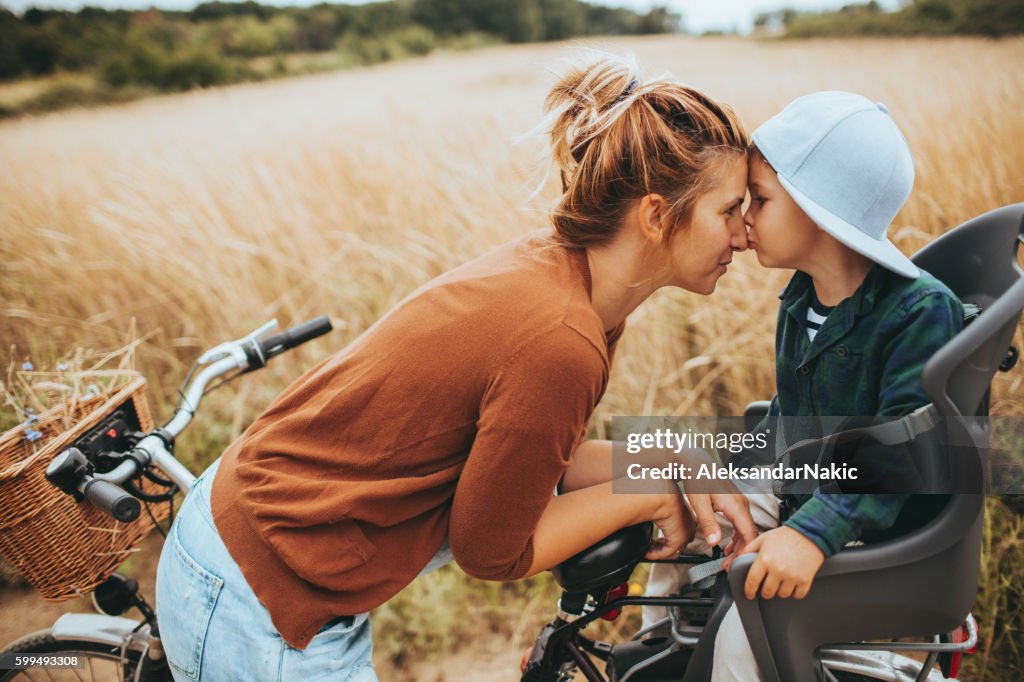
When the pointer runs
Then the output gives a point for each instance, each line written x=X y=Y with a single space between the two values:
x=279 y=343
x=112 y=499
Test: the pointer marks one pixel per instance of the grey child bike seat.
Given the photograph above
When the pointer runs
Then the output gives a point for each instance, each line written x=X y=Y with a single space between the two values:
x=925 y=582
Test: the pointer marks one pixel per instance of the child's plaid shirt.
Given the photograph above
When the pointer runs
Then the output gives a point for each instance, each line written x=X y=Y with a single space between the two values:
x=865 y=360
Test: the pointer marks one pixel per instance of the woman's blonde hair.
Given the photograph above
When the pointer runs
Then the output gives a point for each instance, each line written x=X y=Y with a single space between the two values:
x=616 y=138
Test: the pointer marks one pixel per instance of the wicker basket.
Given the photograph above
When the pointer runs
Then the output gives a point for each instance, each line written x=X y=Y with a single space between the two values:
x=64 y=548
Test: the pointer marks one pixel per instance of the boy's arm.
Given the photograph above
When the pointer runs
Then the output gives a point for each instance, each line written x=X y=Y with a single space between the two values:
x=833 y=520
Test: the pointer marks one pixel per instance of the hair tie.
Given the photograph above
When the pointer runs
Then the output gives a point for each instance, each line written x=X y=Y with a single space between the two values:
x=627 y=92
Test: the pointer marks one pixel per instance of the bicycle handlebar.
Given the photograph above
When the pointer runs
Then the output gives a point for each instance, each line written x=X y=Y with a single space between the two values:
x=112 y=499
x=245 y=354
x=71 y=472
x=278 y=343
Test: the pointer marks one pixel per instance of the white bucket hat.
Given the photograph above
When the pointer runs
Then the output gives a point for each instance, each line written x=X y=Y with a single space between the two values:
x=847 y=165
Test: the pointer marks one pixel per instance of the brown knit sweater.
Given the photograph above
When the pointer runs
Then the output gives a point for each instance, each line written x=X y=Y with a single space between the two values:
x=454 y=415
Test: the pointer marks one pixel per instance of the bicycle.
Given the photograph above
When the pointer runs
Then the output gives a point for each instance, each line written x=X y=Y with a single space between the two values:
x=675 y=649
x=107 y=645
x=915 y=585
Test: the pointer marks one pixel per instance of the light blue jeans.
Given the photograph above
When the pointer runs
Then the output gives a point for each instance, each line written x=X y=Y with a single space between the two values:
x=214 y=628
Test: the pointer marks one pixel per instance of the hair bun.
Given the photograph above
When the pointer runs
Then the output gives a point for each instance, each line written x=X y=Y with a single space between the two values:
x=587 y=100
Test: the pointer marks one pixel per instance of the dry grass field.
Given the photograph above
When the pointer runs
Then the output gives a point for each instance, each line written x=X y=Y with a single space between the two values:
x=202 y=215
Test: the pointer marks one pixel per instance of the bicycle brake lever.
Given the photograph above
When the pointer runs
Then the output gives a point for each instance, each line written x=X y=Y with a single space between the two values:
x=223 y=350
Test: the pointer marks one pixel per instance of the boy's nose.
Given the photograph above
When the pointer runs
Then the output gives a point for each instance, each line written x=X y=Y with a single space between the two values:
x=738 y=242
x=748 y=215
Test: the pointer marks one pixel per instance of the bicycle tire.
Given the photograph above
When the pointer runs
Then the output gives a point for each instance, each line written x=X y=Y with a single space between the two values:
x=101 y=660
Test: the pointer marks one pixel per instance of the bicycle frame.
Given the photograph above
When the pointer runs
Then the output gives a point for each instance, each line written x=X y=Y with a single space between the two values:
x=560 y=646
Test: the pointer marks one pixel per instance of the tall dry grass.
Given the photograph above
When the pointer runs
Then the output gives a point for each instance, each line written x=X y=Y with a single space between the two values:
x=202 y=215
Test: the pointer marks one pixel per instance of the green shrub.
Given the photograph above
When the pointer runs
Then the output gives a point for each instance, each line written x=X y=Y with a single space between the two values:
x=283 y=27
x=253 y=38
x=992 y=18
x=117 y=71
x=137 y=61
x=144 y=64
x=415 y=39
x=472 y=41
x=39 y=51
x=364 y=51
x=63 y=94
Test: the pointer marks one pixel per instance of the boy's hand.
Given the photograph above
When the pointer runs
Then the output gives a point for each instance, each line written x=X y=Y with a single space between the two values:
x=786 y=564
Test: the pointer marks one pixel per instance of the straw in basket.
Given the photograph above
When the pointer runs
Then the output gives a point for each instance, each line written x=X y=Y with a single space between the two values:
x=62 y=547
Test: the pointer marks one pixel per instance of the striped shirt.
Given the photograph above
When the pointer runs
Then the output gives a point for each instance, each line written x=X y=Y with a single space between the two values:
x=816 y=314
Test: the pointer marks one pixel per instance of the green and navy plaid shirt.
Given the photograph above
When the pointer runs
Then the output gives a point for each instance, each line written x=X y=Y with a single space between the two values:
x=865 y=360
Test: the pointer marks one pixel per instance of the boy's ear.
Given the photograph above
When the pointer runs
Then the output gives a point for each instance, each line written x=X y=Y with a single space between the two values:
x=651 y=216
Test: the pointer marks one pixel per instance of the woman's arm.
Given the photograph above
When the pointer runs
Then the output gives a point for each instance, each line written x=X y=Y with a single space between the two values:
x=578 y=519
x=505 y=523
x=592 y=465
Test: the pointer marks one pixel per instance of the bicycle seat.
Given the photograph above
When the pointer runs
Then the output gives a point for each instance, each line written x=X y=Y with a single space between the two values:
x=609 y=562
x=924 y=582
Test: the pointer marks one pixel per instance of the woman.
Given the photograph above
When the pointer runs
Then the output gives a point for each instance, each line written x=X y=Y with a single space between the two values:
x=445 y=428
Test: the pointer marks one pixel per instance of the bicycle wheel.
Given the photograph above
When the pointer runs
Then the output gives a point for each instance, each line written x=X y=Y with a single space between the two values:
x=102 y=662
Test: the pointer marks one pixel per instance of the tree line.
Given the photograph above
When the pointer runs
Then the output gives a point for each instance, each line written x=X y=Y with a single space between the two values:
x=216 y=41
x=992 y=18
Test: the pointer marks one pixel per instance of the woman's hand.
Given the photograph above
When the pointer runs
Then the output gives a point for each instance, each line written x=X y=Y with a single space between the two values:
x=708 y=497
x=735 y=507
x=676 y=523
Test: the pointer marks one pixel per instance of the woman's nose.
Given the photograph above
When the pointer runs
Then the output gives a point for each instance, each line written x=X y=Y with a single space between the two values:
x=738 y=241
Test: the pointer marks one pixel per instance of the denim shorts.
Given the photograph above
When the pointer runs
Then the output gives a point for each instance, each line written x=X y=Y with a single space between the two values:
x=214 y=628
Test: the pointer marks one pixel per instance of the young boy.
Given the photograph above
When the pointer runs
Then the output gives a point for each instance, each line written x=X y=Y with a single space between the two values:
x=857 y=323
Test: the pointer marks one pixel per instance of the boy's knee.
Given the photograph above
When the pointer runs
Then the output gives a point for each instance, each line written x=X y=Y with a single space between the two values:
x=764 y=508
x=734 y=659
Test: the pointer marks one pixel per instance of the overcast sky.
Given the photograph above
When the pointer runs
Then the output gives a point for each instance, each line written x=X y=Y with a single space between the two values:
x=698 y=15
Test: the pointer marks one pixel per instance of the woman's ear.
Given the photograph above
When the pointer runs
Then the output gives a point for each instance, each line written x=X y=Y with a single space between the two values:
x=651 y=216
